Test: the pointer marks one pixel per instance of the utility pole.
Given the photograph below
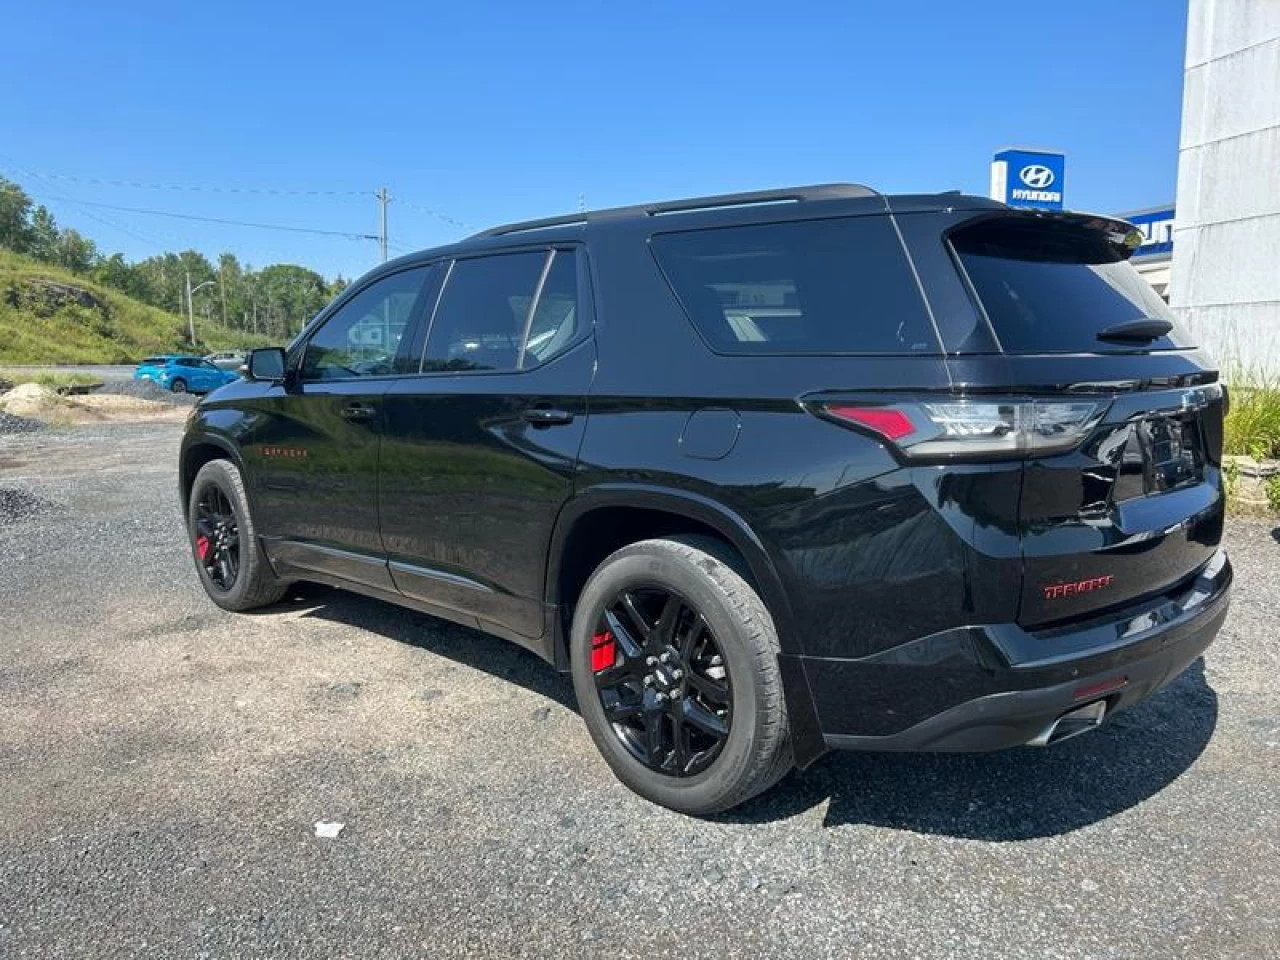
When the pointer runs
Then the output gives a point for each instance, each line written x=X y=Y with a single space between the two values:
x=191 y=311
x=383 y=199
x=191 y=315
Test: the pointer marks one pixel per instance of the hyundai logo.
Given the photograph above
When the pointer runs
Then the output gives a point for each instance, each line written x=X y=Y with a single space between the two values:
x=1036 y=176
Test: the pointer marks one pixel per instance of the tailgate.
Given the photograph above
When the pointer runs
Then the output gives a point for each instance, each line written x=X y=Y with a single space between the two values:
x=1131 y=513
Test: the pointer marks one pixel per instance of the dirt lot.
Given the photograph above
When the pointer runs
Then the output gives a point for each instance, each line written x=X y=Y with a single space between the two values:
x=162 y=765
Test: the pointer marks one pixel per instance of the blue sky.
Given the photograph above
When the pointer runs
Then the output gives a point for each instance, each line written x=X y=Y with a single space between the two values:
x=487 y=112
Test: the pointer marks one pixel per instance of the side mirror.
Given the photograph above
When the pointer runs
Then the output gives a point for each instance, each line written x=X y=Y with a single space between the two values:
x=264 y=364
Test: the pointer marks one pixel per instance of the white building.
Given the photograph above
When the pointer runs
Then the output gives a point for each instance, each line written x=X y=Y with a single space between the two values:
x=1225 y=282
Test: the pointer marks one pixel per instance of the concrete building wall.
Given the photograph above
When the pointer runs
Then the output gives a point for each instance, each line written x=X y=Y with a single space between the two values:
x=1226 y=252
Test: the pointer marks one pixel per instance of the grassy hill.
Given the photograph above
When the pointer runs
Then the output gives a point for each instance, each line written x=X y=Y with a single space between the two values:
x=48 y=315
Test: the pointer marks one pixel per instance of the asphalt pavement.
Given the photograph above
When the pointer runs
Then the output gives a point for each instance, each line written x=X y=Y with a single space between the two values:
x=106 y=372
x=163 y=765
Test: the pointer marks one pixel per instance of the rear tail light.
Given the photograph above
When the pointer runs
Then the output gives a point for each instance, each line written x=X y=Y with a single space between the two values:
x=963 y=427
x=889 y=423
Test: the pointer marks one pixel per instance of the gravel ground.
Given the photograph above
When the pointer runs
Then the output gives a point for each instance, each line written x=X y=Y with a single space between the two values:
x=10 y=423
x=163 y=765
x=147 y=390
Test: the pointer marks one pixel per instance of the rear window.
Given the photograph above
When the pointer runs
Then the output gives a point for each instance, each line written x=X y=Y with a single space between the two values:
x=153 y=362
x=800 y=287
x=1051 y=288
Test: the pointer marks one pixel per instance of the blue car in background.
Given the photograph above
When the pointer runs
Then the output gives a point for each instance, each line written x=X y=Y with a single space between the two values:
x=183 y=374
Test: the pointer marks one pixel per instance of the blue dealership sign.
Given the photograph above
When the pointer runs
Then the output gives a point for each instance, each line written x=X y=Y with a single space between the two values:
x=1156 y=227
x=1029 y=178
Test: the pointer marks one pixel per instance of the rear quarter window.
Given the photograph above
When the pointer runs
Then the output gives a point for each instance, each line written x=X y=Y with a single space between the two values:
x=841 y=286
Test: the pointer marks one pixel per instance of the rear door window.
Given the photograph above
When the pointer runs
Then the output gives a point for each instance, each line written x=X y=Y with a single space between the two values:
x=1052 y=288
x=484 y=309
x=840 y=286
x=554 y=323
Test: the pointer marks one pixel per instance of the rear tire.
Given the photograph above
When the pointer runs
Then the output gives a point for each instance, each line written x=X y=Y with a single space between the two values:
x=217 y=517
x=721 y=609
x=178 y=386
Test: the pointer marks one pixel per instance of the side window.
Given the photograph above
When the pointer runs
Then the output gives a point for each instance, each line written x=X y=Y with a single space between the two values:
x=362 y=337
x=480 y=322
x=555 y=318
x=801 y=287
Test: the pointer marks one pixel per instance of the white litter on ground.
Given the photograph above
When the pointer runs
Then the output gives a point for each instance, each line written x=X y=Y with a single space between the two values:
x=328 y=830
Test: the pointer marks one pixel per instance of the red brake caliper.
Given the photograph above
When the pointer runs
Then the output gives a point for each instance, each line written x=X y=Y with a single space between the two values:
x=603 y=651
x=202 y=547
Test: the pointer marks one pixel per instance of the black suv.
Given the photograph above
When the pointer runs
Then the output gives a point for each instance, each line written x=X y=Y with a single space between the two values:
x=769 y=473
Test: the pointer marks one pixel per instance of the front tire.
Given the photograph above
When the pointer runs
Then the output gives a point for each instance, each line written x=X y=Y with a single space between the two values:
x=675 y=666
x=224 y=542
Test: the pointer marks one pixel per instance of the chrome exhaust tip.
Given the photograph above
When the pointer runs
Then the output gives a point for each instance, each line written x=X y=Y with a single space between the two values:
x=1071 y=724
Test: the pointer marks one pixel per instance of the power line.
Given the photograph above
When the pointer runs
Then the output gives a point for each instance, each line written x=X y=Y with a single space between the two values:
x=207 y=188
x=222 y=220
x=121 y=227
x=427 y=211
x=194 y=188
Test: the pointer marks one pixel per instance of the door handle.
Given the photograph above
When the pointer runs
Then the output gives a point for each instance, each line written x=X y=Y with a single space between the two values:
x=546 y=416
x=358 y=412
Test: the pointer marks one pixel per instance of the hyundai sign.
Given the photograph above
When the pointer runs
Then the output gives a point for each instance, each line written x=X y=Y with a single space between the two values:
x=1029 y=178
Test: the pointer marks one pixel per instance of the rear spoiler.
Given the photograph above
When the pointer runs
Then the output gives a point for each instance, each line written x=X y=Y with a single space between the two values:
x=1121 y=235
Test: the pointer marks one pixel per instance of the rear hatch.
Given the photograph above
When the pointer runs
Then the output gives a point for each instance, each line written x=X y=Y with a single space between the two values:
x=1134 y=507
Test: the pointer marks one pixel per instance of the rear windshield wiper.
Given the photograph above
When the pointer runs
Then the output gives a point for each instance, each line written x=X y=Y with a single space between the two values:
x=1142 y=330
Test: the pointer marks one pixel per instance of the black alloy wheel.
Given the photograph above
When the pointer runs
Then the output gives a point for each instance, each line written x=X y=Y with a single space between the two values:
x=178 y=386
x=662 y=680
x=217 y=537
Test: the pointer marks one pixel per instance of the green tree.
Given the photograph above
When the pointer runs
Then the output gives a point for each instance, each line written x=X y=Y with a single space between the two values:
x=42 y=235
x=115 y=271
x=230 y=281
x=165 y=281
x=75 y=251
x=14 y=207
x=292 y=295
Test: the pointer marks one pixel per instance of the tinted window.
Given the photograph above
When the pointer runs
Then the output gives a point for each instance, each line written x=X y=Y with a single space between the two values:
x=815 y=286
x=362 y=337
x=153 y=362
x=480 y=322
x=555 y=318
x=1052 y=288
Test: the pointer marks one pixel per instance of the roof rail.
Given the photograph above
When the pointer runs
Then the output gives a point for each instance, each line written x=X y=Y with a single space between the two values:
x=822 y=191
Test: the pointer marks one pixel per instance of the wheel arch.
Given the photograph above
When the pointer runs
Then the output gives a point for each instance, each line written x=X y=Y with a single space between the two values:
x=602 y=519
x=198 y=450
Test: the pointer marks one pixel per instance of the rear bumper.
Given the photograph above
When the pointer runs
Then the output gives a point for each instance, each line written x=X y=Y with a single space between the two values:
x=992 y=687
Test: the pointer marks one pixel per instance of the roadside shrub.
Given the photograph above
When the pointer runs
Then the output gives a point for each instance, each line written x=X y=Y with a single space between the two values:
x=1253 y=422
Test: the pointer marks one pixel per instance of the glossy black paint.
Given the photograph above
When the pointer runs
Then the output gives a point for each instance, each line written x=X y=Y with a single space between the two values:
x=488 y=497
x=470 y=487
